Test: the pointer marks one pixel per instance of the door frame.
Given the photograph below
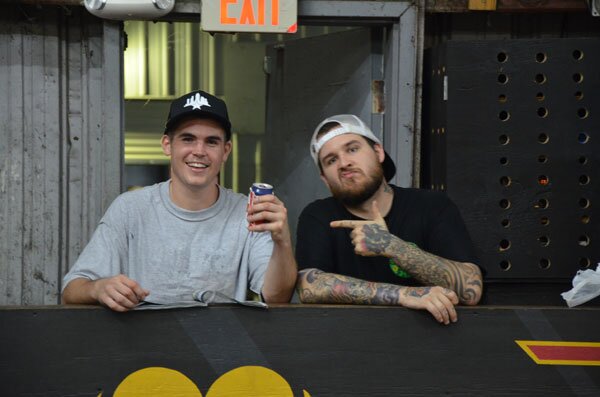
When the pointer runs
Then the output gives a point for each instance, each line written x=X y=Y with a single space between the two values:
x=402 y=66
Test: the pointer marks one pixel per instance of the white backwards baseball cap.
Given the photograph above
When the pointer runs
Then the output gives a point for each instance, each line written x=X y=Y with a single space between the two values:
x=348 y=124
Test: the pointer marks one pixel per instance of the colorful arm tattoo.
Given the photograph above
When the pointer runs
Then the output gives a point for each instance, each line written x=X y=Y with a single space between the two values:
x=316 y=286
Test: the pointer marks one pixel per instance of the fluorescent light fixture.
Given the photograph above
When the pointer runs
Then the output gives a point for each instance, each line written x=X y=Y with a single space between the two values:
x=129 y=9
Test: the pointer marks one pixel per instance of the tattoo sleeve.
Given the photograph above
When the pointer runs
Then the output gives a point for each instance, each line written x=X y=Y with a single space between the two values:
x=316 y=286
x=463 y=278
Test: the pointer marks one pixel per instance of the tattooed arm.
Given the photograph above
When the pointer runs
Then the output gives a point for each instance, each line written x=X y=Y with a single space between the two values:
x=462 y=277
x=316 y=286
x=372 y=238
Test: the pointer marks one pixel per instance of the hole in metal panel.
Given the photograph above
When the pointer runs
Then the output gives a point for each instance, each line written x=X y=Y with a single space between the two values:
x=582 y=113
x=545 y=263
x=541 y=57
x=583 y=240
x=584 y=262
x=504 y=204
x=583 y=138
x=585 y=219
x=584 y=203
x=584 y=179
x=505 y=181
x=542 y=203
x=505 y=265
x=540 y=78
x=504 y=245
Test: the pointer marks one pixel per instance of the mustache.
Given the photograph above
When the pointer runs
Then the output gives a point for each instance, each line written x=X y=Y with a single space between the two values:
x=350 y=169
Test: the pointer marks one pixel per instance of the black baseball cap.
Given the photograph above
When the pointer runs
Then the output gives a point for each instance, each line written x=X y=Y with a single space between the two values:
x=202 y=105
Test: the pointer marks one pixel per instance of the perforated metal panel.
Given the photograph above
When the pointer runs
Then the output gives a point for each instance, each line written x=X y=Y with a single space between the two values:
x=512 y=133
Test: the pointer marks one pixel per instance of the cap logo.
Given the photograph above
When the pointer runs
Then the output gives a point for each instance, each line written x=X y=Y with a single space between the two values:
x=196 y=102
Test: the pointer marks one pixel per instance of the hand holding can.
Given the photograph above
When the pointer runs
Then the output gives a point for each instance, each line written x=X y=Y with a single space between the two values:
x=257 y=189
x=269 y=213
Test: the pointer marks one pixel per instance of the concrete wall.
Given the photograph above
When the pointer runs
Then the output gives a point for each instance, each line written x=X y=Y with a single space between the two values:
x=60 y=142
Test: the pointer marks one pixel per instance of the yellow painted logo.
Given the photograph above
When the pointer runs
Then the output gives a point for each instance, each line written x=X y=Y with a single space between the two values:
x=247 y=381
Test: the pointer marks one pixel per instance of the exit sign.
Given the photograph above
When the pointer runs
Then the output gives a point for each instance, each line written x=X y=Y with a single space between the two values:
x=259 y=16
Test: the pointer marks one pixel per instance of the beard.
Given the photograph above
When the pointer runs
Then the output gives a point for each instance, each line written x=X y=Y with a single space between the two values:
x=358 y=194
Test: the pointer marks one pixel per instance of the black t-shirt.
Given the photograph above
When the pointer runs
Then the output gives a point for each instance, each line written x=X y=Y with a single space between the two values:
x=423 y=217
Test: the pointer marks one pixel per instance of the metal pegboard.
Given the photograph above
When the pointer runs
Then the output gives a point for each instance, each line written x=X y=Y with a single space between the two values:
x=514 y=141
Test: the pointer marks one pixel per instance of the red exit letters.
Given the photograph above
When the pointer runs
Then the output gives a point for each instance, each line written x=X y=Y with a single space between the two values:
x=248 y=15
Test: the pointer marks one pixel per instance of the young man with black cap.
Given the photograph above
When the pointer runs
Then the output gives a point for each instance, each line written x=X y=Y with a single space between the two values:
x=187 y=238
x=376 y=243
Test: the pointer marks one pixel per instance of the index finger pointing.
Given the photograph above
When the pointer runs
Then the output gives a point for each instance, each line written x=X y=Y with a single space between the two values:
x=376 y=213
x=348 y=224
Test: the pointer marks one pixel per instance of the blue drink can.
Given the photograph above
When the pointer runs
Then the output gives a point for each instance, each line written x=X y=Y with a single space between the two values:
x=258 y=189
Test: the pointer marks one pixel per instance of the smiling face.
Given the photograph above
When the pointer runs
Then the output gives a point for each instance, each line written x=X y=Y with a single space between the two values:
x=197 y=149
x=351 y=168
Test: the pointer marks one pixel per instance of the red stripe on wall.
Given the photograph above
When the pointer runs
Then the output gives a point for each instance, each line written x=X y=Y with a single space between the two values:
x=566 y=352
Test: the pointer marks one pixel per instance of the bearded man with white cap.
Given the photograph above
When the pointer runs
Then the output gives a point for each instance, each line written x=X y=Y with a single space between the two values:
x=376 y=243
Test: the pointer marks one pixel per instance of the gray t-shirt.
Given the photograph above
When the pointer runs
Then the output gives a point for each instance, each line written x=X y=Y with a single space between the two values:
x=173 y=252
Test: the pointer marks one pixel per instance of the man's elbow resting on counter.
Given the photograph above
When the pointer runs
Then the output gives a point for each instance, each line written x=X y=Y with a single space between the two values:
x=305 y=290
x=277 y=298
x=472 y=301
x=282 y=294
x=474 y=288
x=67 y=298
x=76 y=292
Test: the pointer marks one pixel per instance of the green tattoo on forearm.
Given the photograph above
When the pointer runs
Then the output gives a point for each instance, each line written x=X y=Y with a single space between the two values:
x=429 y=269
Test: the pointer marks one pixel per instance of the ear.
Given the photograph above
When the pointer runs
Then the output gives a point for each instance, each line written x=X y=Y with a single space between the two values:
x=228 y=147
x=380 y=152
x=165 y=142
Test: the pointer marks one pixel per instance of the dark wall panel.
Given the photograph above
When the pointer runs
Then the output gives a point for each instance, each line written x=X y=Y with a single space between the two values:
x=512 y=134
x=306 y=350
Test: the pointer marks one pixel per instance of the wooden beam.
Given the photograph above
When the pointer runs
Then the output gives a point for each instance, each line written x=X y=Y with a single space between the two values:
x=511 y=6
